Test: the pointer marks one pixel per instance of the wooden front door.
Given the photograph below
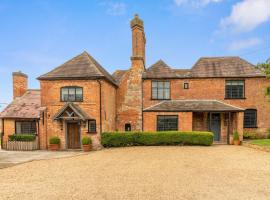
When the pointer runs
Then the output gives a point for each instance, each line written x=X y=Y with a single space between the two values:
x=73 y=136
x=215 y=125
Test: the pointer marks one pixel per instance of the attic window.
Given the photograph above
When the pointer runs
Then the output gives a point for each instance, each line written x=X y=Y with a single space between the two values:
x=71 y=94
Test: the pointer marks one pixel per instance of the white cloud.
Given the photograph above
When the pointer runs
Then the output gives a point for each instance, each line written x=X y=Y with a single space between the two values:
x=196 y=3
x=115 y=8
x=247 y=15
x=244 y=44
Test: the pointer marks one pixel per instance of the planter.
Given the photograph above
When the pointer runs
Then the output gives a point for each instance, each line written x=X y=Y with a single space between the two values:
x=236 y=142
x=86 y=147
x=54 y=147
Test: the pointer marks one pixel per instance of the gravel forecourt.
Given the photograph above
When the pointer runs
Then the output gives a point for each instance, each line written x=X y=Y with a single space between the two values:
x=216 y=172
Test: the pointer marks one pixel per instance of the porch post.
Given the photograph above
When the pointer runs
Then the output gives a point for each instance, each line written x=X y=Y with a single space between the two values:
x=229 y=128
x=210 y=120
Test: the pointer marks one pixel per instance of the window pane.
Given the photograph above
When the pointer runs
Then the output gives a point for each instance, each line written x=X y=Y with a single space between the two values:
x=26 y=128
x=79 y=94
x=167 y=123
x=160 y=90
x=71 y=94
x=64 y=94
x=234 y=89
x=92 y=126
x=250 y=119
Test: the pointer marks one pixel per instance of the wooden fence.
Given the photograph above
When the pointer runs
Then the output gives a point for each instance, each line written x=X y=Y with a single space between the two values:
x=22 y=146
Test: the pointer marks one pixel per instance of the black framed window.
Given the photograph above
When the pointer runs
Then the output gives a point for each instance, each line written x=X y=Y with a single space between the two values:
x=71 y=94
x=160 y=89
x=92 y=126
x=186 y=85
x=250 y=118
x=167 y=123
x=25 y=127
x=235 y=89
x=128 y=127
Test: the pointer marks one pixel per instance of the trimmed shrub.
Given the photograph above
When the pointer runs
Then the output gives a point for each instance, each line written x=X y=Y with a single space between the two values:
x=250 y=135
x=22 y=137
x=86 y=140
x=54 y=140
x=121 y=139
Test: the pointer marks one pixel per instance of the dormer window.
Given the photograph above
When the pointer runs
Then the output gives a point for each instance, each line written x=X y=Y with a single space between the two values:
x=71 y=94
x=161 y=90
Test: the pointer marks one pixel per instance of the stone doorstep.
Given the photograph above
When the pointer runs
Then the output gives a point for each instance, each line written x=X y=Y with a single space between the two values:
x=257 y=147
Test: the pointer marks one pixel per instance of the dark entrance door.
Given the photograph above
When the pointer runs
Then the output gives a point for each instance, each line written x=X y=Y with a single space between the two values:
x=73 y=136
x=214 y=121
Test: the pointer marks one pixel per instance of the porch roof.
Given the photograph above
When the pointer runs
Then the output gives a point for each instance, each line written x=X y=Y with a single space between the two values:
x=193 y=106
x=80 y=114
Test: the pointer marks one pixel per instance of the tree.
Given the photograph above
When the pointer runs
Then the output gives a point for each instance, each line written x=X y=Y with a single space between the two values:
x=265 y=68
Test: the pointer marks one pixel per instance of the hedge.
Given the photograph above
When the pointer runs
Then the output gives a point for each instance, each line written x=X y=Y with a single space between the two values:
x=22 y=137
x=121 y=139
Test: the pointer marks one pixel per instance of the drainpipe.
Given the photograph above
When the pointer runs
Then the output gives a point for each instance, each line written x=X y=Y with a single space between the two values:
x=142 y=105
x=2 y=135
x=100 y=108
x=38 y=133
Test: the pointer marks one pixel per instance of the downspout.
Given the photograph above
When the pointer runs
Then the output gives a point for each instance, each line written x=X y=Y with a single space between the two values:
x=142 y=106
x=2 y=135
x=100 y=108
x=38 y=134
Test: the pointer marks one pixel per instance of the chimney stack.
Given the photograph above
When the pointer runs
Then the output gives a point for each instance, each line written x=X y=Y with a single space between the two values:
x=20 y=84
x=138 y=42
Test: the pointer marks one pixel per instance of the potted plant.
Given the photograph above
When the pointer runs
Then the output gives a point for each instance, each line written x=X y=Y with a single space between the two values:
x=86 y=143
x=54 y=143
x=236 y=140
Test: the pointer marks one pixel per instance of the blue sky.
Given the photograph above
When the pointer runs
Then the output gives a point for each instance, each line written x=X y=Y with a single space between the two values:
x=38 y=35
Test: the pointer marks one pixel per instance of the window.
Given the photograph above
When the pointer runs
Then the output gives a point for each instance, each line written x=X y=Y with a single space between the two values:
x=250 y=118
x=128 y=127
x=71 y=94
x=160 y=90
x=92 y=126
x=167 y=123
x=235 y=89
x=186 y=86
x=25 y=127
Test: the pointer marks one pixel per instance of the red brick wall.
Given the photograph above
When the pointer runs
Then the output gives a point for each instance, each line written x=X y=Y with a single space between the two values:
x=184 y=120
x=50 y=99
x=214 y=88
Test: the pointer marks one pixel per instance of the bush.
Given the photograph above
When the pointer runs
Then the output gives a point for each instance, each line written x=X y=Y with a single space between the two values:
x=86 y=140
x=235 y=136
x=22 y=137
x=55 y=140
x=120 y=139
x=250 y=135
x=268 y=134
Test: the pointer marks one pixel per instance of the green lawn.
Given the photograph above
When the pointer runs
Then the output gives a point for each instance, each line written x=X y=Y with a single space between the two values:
x=263 y=142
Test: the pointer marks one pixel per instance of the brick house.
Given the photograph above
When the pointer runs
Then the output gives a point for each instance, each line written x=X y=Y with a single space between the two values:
x=80 y=98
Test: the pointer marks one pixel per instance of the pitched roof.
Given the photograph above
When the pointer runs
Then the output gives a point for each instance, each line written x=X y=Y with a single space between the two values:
x=26 y=106
x=192 y=105
x=82 y=66
x=161 y=70
x=224 y=67
x=118 y=74
x=75 y=108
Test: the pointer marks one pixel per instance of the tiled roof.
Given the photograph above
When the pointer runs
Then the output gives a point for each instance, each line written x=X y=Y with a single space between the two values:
x=192 y=105
x=206 y=67
x=26 y=106
x=82 y=66
x=224 y=67
x=118 y=74
x=161 y=70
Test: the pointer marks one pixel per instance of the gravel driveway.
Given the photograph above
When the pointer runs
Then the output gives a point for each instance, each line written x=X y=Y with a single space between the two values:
x=217 y=172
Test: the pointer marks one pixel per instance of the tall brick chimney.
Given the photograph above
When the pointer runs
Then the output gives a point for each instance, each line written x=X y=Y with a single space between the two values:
x=20 y=84
x=138 y=43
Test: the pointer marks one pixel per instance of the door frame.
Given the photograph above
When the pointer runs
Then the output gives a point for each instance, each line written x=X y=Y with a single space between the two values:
x=210 y=124
x=66 y=131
